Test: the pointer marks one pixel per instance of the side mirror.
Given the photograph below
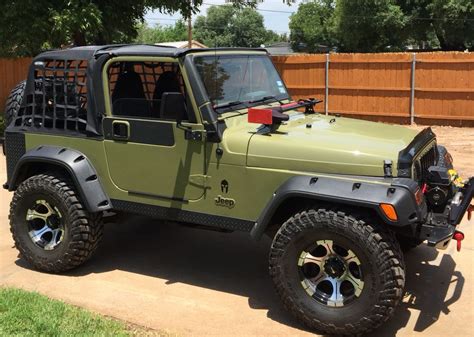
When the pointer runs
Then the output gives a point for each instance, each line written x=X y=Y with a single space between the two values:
x=173 y=106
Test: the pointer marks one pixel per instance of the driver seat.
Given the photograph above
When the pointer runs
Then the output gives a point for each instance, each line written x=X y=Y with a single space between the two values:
x=128 y=97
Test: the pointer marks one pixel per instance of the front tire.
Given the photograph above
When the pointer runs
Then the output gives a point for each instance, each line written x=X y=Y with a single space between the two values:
x=50 y=225
x=335 y=273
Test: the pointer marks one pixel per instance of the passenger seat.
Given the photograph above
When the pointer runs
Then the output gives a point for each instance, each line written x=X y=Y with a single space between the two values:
x=167 y=82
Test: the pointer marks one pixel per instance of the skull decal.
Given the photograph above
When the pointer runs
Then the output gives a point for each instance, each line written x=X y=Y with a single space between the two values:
x=224 y=186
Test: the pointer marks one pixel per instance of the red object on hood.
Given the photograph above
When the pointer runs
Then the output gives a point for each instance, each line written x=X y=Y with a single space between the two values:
x=260 y=116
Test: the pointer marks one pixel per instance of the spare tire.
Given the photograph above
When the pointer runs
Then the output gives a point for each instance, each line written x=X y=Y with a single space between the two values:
x=13 y=102
x=444 y=158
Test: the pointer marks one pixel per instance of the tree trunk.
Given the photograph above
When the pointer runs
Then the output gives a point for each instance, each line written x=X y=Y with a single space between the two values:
x=445 y=44
x=439 y=34
x=79 y=39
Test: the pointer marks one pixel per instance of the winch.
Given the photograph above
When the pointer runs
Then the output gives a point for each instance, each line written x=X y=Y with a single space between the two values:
x=438 y=188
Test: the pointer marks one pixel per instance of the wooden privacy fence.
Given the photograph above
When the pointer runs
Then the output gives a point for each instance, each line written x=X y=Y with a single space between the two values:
x=12 y=71
x=430 y=87
x=434 y=87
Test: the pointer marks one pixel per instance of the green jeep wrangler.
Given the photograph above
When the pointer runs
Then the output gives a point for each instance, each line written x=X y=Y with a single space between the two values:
x=211 y=137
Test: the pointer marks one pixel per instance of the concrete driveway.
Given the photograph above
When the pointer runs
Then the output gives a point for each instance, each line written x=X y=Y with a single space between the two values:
x=200 y=283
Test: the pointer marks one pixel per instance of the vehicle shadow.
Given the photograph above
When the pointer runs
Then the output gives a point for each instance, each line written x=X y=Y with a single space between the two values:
x=430 y=277
x=233 y=263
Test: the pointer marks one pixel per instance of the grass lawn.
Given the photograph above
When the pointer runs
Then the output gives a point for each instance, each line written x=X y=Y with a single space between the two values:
x=25 y=313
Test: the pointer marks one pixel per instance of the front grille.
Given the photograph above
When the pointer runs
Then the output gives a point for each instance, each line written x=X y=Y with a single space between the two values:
x=422 y=164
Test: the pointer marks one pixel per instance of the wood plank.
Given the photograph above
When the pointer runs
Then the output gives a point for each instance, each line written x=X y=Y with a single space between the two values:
x=369 y=61
x=340 y=87
x=368 y=113
x=453 y=90
x=447 y=61
x=429 y=116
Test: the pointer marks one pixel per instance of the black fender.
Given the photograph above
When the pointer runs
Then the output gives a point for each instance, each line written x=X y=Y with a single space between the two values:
x=80 y=169
x=352 y=191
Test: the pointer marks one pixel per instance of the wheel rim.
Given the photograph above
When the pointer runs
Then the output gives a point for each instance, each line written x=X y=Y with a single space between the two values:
x=45 y=225
x=330 y=273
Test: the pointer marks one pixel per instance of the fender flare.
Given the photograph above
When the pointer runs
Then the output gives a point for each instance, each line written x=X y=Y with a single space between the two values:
x=81 y=170
x=352 y=191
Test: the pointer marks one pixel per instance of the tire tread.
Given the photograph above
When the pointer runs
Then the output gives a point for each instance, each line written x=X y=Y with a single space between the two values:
x=380 y=243
x=13 y=102
x=86 y=228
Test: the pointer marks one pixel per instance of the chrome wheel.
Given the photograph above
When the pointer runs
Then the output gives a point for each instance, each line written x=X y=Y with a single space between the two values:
x=45 y=225
x=330 y=273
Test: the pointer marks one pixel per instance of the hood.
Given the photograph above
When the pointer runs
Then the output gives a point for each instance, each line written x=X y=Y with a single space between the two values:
x=328 y=144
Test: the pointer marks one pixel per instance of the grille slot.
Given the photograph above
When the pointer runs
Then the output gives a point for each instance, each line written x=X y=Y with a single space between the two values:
x=424 y=162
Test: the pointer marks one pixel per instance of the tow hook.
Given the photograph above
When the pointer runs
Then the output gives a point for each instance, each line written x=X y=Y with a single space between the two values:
x=458 y=236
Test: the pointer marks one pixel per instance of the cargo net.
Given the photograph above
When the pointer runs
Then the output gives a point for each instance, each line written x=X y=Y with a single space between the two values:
x=59 y=99
x=136 y=88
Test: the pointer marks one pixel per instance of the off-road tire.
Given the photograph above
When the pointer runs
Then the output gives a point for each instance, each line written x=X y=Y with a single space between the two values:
x=13 y=102
x=378 y=252
x=83 y=230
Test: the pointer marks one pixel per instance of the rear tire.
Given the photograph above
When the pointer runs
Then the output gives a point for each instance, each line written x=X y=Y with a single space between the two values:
x=13 y=102
x=50 y=226
x=444 y=158
x=347 y=252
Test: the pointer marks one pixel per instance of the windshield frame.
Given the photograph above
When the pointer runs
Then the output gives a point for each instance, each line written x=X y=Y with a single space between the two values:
x=224 y=106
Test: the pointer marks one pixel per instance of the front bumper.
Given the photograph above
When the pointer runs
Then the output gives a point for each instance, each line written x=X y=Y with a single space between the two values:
x=440 y=231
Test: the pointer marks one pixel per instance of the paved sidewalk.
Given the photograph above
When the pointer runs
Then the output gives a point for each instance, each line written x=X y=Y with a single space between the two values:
x=201 y=283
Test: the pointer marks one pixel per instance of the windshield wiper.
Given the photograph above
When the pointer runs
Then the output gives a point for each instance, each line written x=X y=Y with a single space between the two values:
x=228 y=105
x=267 y=98
x=246 y=104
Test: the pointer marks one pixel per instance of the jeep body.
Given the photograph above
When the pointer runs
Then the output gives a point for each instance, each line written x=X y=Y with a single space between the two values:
x=181 y=148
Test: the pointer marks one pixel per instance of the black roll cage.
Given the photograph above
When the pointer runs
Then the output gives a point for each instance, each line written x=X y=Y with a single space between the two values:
x=96 y=58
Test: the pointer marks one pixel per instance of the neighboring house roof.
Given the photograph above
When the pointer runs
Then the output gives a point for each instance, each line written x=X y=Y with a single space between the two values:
x=284 y=48
x=182 y=44
x=280 y=48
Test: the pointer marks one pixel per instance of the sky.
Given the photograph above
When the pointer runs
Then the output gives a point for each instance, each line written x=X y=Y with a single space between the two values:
x=276 y=14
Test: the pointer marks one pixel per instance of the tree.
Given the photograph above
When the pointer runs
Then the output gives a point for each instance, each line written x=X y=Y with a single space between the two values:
x=229 y=26
x=418 y=31
x=378 y=25
x=453 y=23
x=370 y=25
x=28 y=26
x=440 y=23
x=313 y=25
x=158 y=33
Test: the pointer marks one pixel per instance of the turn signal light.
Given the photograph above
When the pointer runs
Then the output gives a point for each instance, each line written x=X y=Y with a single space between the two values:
x=389 y=211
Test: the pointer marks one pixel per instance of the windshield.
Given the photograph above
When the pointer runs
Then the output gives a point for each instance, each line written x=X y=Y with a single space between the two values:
x=234 y=79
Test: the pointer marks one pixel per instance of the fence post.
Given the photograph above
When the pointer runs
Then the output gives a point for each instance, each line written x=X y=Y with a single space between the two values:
x=326 y=93
x=412 y=89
